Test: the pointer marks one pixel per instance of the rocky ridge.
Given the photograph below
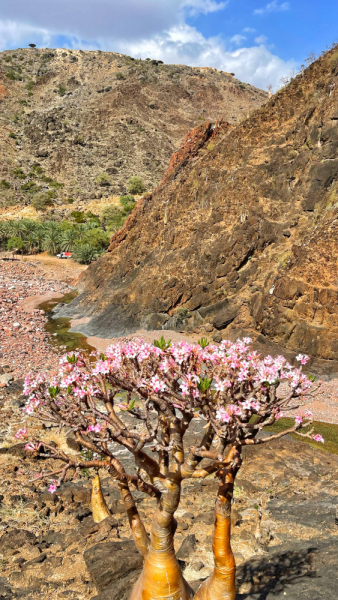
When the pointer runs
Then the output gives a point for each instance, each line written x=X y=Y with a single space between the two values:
x=72 y=116
x=241 y=236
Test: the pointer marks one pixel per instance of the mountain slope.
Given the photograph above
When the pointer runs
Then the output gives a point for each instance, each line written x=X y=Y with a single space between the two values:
x=241 y=236
x=77 y=115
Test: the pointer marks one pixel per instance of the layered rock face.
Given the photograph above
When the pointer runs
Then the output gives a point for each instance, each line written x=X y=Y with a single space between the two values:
x=241 y=236
x=79 y=114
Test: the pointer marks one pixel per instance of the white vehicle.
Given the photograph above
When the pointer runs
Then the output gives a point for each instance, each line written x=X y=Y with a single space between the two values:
x=64 y=255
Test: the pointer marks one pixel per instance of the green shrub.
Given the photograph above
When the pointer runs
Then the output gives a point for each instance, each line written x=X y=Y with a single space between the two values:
x=46 y=179
x=29 y=86
x=12 y=135
x=30 y=187
x=18 y=172
x=56 y=185
x=78 y=216
x=61 y=90
x=8 y=58
x=4 y=184
x=128 y=203
x=11 y=75
x=103 y=179
x=85 y=254
x=79 y=140
x=37 y=169
x=15 y=243
x=97 y=238
x=41 y=202
x=23 y=102
x=136 y=186
x=70 y=200
x=120 y=75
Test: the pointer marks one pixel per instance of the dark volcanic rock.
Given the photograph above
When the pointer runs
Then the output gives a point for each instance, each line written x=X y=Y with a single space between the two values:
x=308 y=571
x=187 y=548
x=111 y=562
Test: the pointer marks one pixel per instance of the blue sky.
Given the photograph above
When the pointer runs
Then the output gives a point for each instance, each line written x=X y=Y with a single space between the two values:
x=260 y=40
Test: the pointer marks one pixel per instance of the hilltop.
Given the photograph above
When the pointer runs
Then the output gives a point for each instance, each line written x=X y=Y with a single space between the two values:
x=80 y=124
x=240 y=237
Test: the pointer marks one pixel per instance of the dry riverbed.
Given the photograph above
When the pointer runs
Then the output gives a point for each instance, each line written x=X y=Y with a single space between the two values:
x=24 y=284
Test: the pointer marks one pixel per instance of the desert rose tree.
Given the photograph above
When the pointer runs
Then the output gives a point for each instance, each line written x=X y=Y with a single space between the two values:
x=164 y=387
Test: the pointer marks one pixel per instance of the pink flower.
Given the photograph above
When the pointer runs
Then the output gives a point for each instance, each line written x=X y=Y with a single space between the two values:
x=223 y=416
x=97 y=427
x=298 y=419
x=52 y=488
x=255 y=405
x=21 y=434
x=318 y=438
x=246 y=405
x=157 y=384
x=280 y=415
x=303 y=358
x=32 y=447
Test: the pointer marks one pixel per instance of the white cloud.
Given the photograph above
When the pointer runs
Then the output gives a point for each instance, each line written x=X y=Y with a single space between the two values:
x=249 y=30
x=185 y=45
x=154 y=28
x=14 y=33
x=203 y=6
x=261 y=39
x=238 y=39
x=273 y=7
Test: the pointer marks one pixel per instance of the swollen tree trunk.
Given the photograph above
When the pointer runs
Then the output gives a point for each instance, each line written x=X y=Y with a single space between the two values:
x=161 y=578
x=99 y=507
x=221 y=585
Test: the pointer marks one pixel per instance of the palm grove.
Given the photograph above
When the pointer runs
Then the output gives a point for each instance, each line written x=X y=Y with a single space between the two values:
x=84 y=234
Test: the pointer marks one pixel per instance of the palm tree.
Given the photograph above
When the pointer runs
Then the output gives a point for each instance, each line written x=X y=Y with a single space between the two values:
x=31 y=242
x=69 y=239
x=51 y=242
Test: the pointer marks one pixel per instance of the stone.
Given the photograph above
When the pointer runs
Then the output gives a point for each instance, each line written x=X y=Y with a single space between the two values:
x=112 y=561
x=6 y=379
x=16 y=538
x=208 y=518
x=187 y=548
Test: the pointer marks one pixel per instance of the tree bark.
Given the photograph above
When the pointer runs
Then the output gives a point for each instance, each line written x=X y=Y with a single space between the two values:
x=221 y=585
x=99 y=507
x=161 y=578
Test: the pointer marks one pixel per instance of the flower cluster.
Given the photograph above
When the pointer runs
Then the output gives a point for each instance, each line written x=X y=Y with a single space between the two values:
x=231 y=387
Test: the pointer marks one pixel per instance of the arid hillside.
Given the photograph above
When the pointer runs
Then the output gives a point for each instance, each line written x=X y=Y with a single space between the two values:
x=241 y=236
x=91 y=120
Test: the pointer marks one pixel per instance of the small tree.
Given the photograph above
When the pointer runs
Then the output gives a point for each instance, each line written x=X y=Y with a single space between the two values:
x=15 y=244
x=136 y=186
x=230 y=387
x=32 y=45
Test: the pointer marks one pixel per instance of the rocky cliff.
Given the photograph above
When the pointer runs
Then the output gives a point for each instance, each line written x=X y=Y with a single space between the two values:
x=241 y=236
x=73 y=116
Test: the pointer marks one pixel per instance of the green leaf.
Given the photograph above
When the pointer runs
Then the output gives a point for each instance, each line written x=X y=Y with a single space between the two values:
x=131 y=405
x=203 y=342
x=204 y=384
x=103 y=356
x=312 y=378
x=72 y=359
x=162 y=344
x=53 y=391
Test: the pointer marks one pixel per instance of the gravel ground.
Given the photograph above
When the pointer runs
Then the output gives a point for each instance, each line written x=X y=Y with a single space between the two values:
x=24 y=343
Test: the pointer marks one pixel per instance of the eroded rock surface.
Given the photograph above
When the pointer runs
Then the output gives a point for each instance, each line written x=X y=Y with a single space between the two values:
x=241 y=237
